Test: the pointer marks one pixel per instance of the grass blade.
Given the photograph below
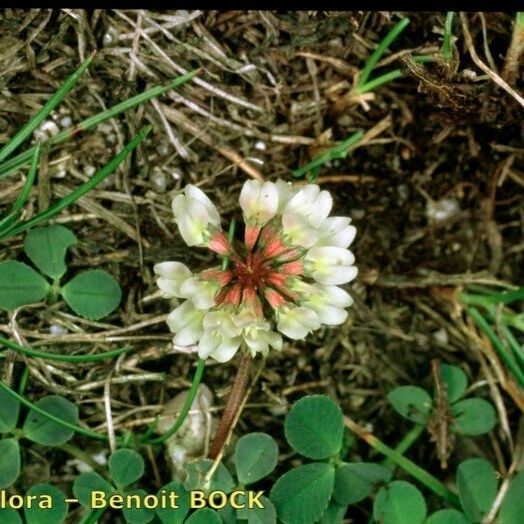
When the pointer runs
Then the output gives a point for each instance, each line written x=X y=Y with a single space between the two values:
x=8 y=222
x=497 y=344
x=383 y=79
x=392 y=75
x=338 y=151
x=10 y=219
x=83 y=189
x=494 y=298
x=36 y=120
x=406 y=464
x=89 y=123
x=517 y=349
x=30 y=179
x=379 y=51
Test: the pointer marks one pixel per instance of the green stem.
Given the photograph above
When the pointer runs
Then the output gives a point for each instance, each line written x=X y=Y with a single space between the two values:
x=185 y=408
x=407 y=465
x=57 y=420
x=63 y=358
x=379 y=51
x=497 y=344
x=447 y=52
x=53 y=293
x=409 y=438
x=23 y=380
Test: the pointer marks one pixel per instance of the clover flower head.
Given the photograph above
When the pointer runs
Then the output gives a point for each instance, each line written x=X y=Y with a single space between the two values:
x=283 y=278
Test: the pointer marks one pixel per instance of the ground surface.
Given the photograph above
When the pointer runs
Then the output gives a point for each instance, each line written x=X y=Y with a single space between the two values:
x=275 y=91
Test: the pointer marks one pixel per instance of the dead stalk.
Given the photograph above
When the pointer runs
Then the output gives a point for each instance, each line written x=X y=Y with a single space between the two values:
x=481 y=65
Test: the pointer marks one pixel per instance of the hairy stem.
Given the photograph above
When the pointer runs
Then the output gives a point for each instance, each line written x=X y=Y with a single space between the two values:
x=233 y=403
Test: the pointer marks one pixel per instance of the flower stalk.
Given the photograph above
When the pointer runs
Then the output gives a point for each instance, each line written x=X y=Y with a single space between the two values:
x=234 y=402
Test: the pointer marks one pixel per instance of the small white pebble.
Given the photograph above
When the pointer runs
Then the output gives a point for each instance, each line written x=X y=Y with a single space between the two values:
x=162 y=149
x=260 y=145
x=441 y=336
x=50 y=128
x=89 y=170
x=110 y=36
x=56 y=329
x=159 y=180
x=46 y=130
x=442 y=210
x=66 y=122
x=175 y=175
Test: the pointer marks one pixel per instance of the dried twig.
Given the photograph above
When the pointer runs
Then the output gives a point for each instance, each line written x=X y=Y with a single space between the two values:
x=481 y=65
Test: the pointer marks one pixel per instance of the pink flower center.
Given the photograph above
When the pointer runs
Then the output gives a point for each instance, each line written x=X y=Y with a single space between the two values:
x=265 y=267
x=252 y=272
